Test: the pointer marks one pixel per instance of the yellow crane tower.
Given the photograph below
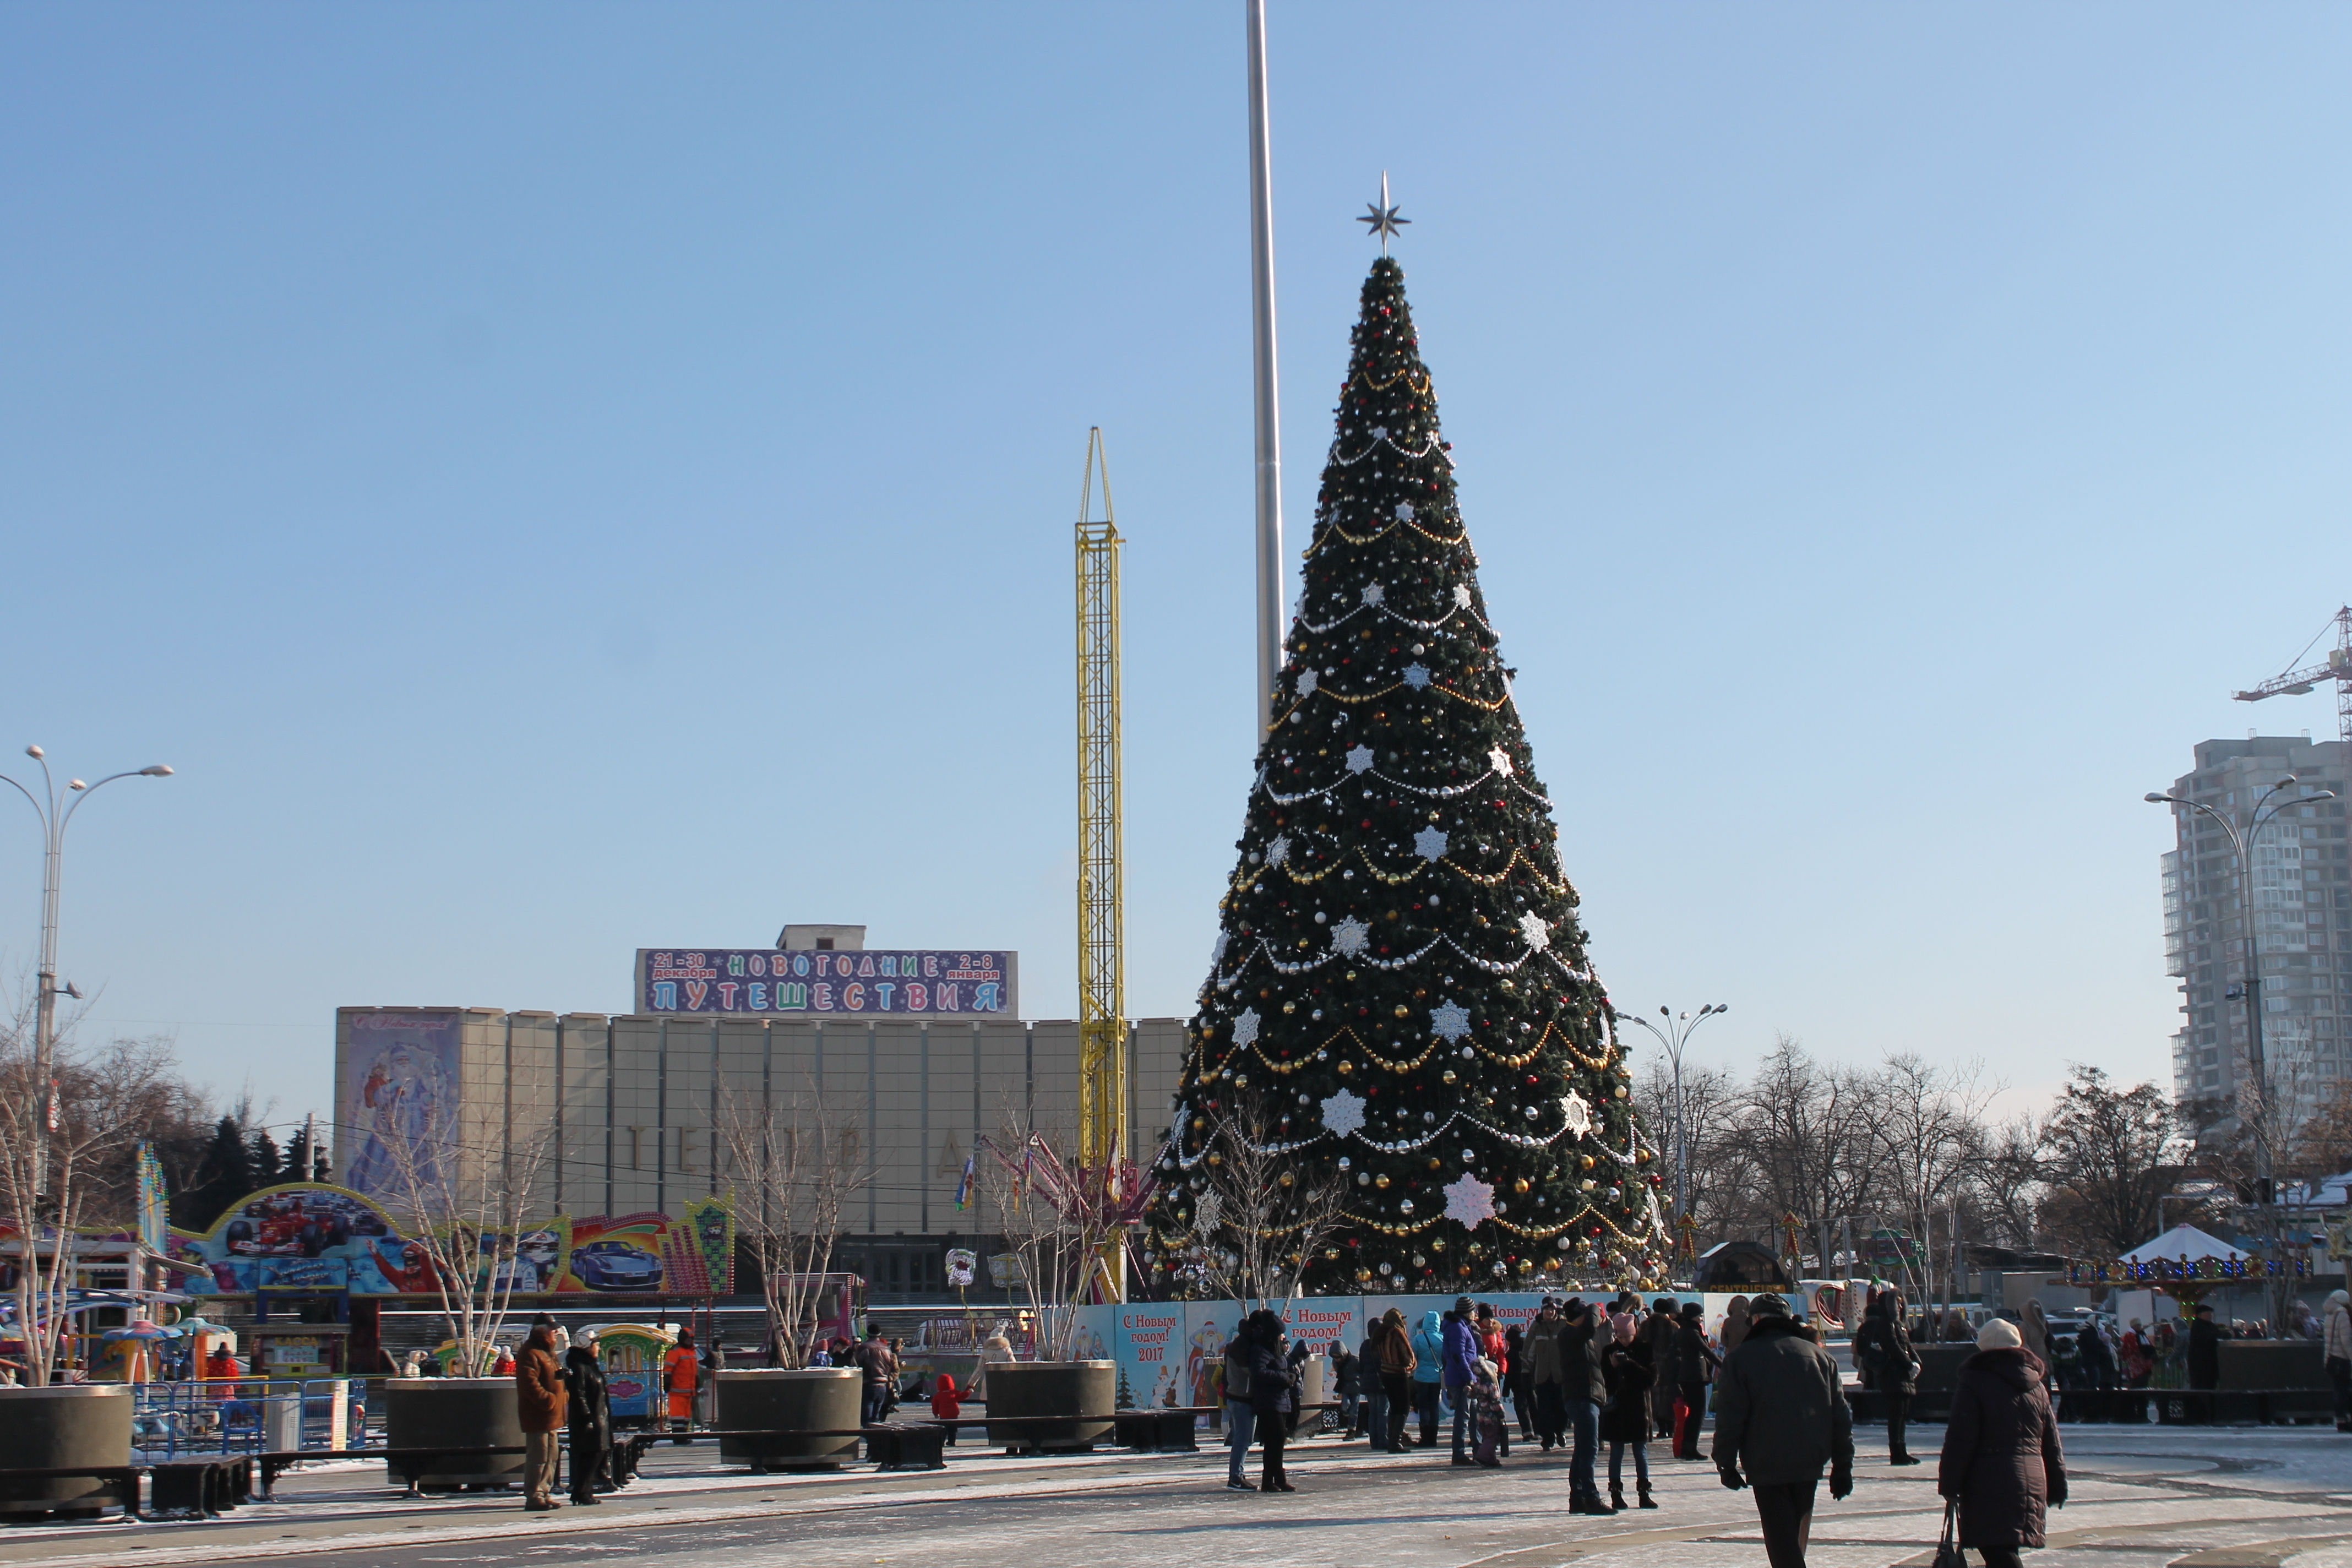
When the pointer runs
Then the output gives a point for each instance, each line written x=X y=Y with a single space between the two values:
x=1102 y=963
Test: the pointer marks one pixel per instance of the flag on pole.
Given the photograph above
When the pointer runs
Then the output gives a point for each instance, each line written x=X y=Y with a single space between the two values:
x=963 y=1187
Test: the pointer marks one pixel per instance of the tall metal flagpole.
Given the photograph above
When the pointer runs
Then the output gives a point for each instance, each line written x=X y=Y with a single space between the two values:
x=1270 y=564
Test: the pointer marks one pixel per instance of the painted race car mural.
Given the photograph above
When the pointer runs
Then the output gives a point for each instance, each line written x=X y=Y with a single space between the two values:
x=314 y=1236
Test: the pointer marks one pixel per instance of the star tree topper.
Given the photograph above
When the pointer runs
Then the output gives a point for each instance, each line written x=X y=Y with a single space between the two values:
x=1383 y=217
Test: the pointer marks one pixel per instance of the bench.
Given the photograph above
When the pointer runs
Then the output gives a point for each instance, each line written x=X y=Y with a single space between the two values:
x=206 y=1488
x=119 y=1484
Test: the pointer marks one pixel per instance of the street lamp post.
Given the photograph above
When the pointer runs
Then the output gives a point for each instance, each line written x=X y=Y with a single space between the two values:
x=1677 y=1033
x=56 y=809
x=2263 y=812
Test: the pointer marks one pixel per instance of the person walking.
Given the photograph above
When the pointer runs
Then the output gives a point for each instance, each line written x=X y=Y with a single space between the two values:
x=1345 y=1389
x=681 y=1370
x=1428 y=1370
x=1780 y=1417
x=2098 y=1361
x=1734 y=1323
x=2002 y=1465
x=1625 y=1419
x=1240 y=1412
x=1695 y=1363
x=1544 y=1373
x=1461 y=1354
x=2034 y=1325
x=1584 y=1388
x=588 y=1415
x=878 y=1377
x=2335 y=1353
x=1881 y=1352
x=1274 y=1394
x=1518 y=1378
x=1397 y=1369
x=1659 y=1332
x=538 y=1403
x=947 y=1405
x=2204 y=1349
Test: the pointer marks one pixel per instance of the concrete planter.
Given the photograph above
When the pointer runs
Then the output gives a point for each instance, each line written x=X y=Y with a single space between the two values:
x=1313 y=1381
x=460 y=1413
x=50 y=1429
x=1082 y=1389
x=810 y=1399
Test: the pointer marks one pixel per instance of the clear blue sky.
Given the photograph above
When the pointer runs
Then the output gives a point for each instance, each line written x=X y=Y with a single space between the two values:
x=558 y=479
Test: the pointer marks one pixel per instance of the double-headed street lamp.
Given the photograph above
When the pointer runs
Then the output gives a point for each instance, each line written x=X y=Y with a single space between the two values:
x=1676 y=1032
x=56 y=809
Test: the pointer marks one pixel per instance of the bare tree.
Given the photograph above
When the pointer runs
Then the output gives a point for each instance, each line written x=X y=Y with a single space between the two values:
x=803 y=1161
x=1803 y=1137
x=1924 y=1135
x=1261 y=1217
x=1061 y=1217
x=468 y=1178
x=2011 y=1184
x=97 y=1104
x=1720 y=1195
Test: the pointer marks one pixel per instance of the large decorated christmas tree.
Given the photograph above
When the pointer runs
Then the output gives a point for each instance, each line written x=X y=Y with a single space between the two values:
x=1399 y=990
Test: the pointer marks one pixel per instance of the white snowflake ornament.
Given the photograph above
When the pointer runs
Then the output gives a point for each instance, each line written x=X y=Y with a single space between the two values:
x=1449 y=1021
x=1217 y=949
x=1279 y=850
x=1206 y=1210
x=1429 y=842
x=1462 y=596
x=1532 y=927
x=1501 y=760
x=1404 y=512
x=1306 y=679
x=1470 y=1201
x=1416 y=675
x=1343 y=1113
x=1359 y=759
x=1349 y=936
x=1578 y=1113
x=1245 y=1027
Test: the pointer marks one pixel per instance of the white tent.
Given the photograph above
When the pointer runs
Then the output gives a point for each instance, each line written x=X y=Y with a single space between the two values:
x=2184 y=1241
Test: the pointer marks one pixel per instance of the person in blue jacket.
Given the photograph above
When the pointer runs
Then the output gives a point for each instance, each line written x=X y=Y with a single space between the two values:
x=1461 y=1354
x=1428 y=1357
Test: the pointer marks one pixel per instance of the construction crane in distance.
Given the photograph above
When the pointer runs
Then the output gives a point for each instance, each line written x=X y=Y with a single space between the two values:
x=1102 y=954
x=2299 y=682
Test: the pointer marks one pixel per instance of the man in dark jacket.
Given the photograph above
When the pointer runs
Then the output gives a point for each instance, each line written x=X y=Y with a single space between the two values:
x=1460 y=1363
x=1781 y=1416
x=1584 y=1384
x=1241 y=1412
x=1693 y=1357
x=1882 y=1353
x=1344 y=1386
x=538 y=1402
x=589 y=1412
x=2204 y=1349
x=1659 y=1331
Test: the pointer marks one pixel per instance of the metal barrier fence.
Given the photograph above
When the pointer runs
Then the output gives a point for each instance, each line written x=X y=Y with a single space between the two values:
x=246 y=1416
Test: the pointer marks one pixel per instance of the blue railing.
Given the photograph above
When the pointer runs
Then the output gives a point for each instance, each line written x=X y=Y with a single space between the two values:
x=244 y=1415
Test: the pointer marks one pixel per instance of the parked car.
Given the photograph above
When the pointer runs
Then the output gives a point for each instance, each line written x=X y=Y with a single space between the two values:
x=617 y=1265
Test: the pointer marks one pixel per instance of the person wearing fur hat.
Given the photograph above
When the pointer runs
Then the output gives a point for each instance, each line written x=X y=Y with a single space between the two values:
x=1780 y=1417
x=2001 y=1462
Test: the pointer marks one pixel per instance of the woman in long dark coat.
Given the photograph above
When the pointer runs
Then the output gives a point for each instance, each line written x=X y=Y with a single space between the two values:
x=589 y=1416
x=1625 y=1419
x=1273 y=1394
x=2001 y=1458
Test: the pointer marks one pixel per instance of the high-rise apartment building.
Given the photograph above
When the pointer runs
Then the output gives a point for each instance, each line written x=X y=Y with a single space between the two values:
x=2300 y=914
